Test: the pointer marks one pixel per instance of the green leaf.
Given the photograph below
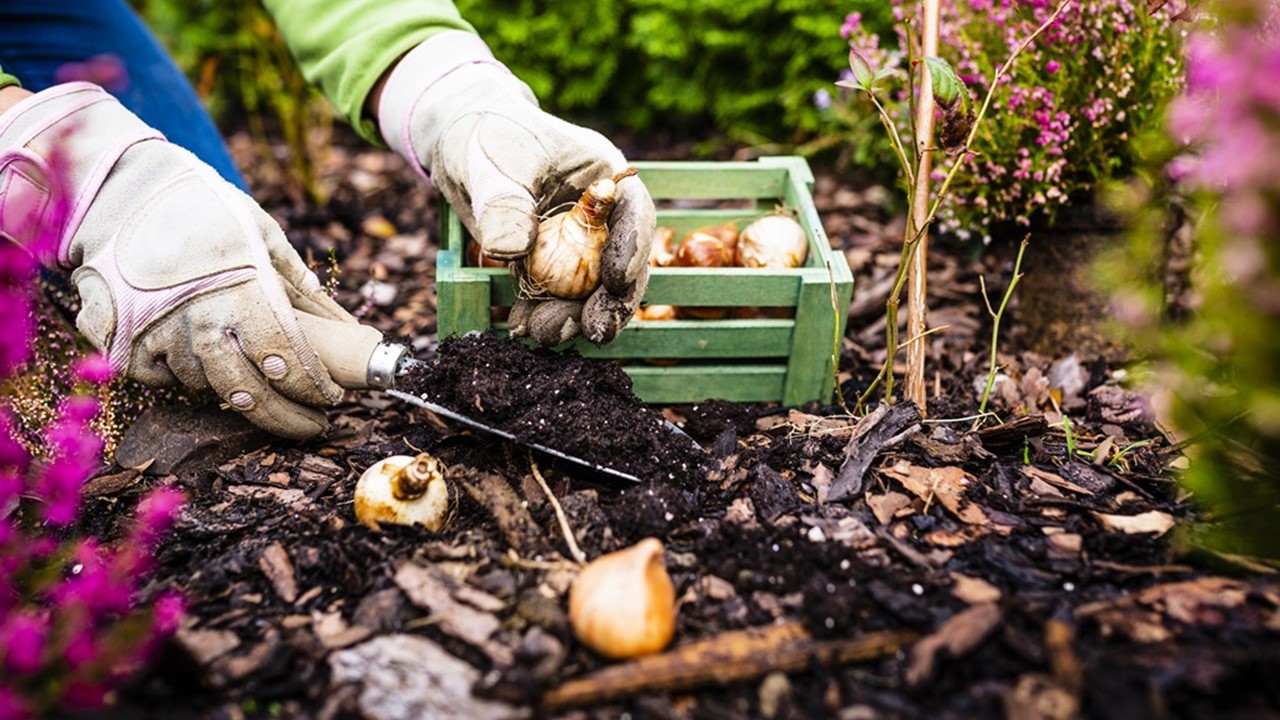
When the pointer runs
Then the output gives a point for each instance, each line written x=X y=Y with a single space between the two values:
x=861 y=69
x=947 y=87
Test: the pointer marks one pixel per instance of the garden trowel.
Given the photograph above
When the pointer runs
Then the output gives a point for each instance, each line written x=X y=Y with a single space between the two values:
x=359 y=358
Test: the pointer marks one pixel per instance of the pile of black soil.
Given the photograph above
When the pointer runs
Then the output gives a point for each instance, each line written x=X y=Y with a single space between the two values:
x=579 y=406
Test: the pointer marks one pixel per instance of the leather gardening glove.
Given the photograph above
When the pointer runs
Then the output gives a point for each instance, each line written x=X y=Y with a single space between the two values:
x=460 y=117
x=182 y=277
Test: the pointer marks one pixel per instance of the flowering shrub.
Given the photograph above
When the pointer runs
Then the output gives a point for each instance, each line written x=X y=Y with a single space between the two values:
x=70 y=623
x=1063 y=120
x=1219 y=362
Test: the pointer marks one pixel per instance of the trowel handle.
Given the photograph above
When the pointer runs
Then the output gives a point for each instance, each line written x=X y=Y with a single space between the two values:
x=355 y=355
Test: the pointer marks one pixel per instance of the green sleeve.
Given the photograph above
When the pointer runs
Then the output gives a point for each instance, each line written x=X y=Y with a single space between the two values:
x=344 y=46
x=6 y=79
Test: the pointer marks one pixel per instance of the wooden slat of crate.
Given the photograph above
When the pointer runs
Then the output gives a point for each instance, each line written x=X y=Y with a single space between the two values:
x=714 y=339
x=694 y=382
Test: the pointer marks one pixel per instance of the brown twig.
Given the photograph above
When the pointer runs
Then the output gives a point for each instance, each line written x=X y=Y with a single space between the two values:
x=574 y=551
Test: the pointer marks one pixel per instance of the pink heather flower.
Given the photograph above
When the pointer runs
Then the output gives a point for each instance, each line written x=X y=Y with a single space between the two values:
x=106 y=70
x=24 y=638
x=851 y=23
x=156 y=514
x=93 y=584
x=169 y=610
x=1052 y=66
x=17 y=326
x=93 y=369
x=11 y=706
x=81 y=649
x=59 y=486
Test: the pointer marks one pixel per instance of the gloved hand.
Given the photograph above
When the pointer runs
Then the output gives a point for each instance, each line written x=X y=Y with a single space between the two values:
x=461 y=118
x=182 y=277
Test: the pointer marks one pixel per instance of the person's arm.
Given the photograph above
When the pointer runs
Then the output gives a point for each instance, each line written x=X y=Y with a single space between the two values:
x=345 y=47
x=413 y=74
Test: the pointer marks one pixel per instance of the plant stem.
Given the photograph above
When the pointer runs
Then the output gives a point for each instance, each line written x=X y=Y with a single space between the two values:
x=995 y=328
x=918 y=270
x=908 y=249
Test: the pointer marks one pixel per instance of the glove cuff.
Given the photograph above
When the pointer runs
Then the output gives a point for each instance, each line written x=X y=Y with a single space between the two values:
x=422 y=94
x=56 y=149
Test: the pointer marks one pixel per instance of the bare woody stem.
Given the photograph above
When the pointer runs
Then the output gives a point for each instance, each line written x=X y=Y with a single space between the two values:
x=908 y=249
x=917 y=269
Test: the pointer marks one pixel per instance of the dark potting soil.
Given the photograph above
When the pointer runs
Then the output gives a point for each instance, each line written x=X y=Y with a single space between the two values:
x=579 y=406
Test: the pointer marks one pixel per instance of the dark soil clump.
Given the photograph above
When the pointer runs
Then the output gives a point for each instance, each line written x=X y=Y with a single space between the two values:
x=578 y=406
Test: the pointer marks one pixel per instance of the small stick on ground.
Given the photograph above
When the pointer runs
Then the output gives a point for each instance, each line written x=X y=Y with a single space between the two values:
x=733 y=656
x=574 y=550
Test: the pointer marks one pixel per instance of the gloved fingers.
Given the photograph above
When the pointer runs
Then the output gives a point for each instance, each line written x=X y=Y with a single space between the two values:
x=604 y=314
x=631 y=227
x=505 y=167
x=264 y=387
x=300 y=284
x=244 y=389
x=547 y=322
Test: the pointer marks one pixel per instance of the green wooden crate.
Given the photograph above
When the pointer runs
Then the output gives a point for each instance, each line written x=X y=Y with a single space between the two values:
x=678 y=361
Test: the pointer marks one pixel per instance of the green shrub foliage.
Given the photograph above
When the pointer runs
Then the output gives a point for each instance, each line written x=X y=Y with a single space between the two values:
x=748 y=69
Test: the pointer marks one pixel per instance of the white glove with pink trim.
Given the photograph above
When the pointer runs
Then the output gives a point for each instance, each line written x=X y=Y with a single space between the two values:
x=461 y=118
x=182 y=277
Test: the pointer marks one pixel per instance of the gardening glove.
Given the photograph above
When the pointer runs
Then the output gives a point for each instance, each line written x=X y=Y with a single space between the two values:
x=182 y=277
x=463 y=120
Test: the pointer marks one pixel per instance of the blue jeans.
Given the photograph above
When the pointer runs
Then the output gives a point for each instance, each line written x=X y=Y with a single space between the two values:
x=41 y=40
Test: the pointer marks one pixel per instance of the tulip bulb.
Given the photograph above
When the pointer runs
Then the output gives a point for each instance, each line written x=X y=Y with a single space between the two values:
x=404 y=490
x=623 y=605
x=776 y=241
x=565 y=260
x=660 y=253
x=702 y=250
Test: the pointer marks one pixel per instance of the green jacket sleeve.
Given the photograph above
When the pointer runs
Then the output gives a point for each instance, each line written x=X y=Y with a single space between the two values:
x=344 y=46
x=6 y=79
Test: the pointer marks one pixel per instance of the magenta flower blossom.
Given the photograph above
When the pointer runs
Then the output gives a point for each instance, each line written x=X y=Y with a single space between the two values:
x=1099 y=74
x=12 y=707
x=94 y=369
x=61 y=597
x=852 y=22
x=106 y=70
x=24 y=641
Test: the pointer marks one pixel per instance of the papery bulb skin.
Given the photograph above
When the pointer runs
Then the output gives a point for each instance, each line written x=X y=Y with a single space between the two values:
x=661 y=253
x=702 y=250
x=623 y=604
x=404 y=490
x=775 y=241
x=565 y=260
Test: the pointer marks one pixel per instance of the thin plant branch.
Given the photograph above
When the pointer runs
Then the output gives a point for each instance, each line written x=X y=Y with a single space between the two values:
x=574 y=550
x=995 y=325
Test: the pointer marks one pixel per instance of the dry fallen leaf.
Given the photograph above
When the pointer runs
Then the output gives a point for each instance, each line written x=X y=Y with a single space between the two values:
x=972 y=590
x=1053 y=479
x=944 y=484
x=886 y=506
x=1153 y=521
x=957 y=636
x=274 y=563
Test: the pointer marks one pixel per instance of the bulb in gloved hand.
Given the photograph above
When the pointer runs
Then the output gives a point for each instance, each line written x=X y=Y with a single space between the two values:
x=623 y=604
x=565 y=260
x=404 y=490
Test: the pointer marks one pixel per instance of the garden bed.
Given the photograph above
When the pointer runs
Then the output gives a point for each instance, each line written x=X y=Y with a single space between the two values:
x=825 y=566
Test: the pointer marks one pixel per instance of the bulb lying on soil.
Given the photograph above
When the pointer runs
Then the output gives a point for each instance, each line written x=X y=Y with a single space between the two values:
x=565 y=261
x=404 y=490
x=623 y=605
